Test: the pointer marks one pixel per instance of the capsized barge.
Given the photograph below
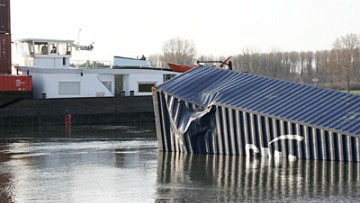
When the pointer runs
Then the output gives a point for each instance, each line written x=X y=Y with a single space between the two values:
x=216 y=111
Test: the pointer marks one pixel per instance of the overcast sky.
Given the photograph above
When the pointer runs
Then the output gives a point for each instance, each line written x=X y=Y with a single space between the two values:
x=135 y=27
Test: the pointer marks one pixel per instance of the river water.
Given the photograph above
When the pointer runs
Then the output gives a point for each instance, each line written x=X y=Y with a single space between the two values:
x=118 y=163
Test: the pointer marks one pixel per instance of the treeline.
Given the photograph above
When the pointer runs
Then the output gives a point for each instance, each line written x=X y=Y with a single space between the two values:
x=323 y=68
x=338 y=68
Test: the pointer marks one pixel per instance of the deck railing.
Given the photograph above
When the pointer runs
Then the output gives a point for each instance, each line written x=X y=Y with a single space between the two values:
x=89 y=64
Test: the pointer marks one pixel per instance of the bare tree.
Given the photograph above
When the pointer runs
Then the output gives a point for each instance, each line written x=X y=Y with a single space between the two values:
x=345 y=48
x=155 y=60
x=330 y=67
x=356 y=65
x=322 y=67
x=177 y=50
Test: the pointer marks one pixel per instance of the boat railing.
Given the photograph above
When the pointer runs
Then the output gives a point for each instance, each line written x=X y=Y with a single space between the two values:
x=89 y=64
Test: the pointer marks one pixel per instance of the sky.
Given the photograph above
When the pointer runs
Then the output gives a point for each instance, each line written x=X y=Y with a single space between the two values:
x=132 y=28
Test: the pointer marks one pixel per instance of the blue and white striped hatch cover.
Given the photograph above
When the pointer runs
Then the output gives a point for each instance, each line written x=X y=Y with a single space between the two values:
x=211 y=110
x=324 y=108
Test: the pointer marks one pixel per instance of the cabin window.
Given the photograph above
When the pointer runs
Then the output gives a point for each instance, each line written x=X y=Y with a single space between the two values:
x=41 y=48
x=146 y=87
x=68 y=48
x=24 y=48
x=53 y=48
x=168 y=77
x=69 y=88
x=64 y=48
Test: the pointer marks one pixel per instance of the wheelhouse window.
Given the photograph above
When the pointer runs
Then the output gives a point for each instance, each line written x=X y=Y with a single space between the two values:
x=25 y=48
x=145 y=87
x=41 y=48
x=44 y=48
x=61 y=48
x=68 y=48
x=53 y=47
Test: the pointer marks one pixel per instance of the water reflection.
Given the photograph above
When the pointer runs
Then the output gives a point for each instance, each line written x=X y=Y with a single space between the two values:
x=191 y=177
x=122 y=164
x=95 y=164
x=5 y=179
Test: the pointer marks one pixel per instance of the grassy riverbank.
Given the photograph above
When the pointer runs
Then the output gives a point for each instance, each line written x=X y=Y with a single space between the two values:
x=353 y=91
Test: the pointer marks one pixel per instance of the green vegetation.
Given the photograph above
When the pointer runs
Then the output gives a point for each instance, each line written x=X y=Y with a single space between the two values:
x=352 y=91
x=355 y=92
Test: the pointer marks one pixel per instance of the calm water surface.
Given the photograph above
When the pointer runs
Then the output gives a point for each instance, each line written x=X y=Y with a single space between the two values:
x=115 y=163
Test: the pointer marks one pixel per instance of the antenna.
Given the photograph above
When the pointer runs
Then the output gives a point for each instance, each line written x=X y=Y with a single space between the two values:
x=77 y=46
x=79 y=36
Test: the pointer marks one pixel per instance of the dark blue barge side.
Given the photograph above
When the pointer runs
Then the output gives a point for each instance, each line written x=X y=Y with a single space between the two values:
x=216 y=111
x=97 y=110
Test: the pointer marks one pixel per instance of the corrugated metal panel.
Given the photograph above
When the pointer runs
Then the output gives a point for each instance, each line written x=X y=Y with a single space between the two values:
x=15 y=83
x=5 y=16
x=209 y=110
x=265 y=96
x=5 y=54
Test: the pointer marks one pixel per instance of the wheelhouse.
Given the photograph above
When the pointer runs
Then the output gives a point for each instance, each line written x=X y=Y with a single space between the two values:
x=44 y=53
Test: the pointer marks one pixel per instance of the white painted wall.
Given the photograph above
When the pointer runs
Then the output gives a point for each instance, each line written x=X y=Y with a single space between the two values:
x=46 y=81
x=108 y=78
x=126 y=85
x=90 y=85
x=51 y=62
x=143 y=78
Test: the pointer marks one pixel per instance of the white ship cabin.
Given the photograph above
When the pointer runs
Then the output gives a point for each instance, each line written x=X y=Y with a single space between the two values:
x=54 y=76
x=45 y=53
